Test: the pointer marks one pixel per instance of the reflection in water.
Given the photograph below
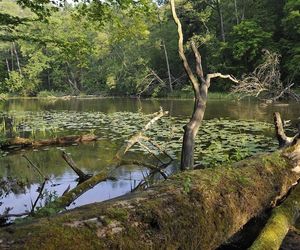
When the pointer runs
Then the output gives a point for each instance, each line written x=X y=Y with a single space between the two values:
x=244 y=109
x=93 y=157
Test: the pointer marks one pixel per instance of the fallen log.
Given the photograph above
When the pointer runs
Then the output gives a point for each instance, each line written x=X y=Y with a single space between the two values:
x=64 y=201
x=283 y=217
x=88 y=181
x=19 y=142
x=198 y=209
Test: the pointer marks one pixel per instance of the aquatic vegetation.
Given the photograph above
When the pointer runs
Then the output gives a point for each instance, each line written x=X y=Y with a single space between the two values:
x=219 y=140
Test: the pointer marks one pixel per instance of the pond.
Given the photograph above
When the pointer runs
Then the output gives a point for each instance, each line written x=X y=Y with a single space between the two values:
x=232 y=130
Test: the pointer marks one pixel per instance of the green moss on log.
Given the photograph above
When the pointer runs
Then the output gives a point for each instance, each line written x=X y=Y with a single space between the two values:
x=218 y=204
x=282 y=218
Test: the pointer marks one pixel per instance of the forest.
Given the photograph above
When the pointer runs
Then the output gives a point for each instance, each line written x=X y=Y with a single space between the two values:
x=141 y=124
x=75 y=48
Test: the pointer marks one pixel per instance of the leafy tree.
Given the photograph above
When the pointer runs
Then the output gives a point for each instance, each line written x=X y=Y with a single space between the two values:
x=291 y=41
x=247 y=41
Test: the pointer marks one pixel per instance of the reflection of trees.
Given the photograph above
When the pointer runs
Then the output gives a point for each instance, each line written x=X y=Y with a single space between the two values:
x=11 y=185
x=248 y=110
x=50 y=161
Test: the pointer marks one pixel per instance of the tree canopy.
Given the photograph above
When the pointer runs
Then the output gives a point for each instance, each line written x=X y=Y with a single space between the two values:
x=130 y=47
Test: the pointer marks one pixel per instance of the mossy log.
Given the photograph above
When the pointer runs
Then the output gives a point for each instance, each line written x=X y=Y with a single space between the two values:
x=282 y=219
x=198 y=209
x=65 y=200
x=19 y=142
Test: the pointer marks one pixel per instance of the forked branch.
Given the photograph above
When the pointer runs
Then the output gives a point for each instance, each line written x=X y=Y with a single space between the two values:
x=192 y=77
x=283 y=140
x=200 y=92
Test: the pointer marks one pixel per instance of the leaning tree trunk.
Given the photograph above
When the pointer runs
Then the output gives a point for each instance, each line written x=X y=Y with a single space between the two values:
x=200 y=93
x=201 y=213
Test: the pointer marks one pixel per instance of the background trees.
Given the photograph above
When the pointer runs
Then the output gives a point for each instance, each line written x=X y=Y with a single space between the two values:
x=130 y=48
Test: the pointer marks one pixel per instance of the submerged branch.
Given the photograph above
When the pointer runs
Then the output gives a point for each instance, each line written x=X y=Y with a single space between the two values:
x=82 y=176
x=161 y=217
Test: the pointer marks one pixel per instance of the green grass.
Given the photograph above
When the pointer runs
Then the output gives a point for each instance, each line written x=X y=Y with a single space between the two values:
x=185 y=94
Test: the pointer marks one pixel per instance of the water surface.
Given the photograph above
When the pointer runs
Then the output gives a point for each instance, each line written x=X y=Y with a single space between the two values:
x=248 y=123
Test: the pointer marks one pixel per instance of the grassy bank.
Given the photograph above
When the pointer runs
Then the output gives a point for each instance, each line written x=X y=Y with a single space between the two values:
x=181 y=94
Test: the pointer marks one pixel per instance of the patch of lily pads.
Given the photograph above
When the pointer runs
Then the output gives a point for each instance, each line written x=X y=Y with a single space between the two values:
x=218 y=141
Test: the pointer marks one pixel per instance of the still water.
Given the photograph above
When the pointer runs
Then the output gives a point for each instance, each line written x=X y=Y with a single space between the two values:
x=246 y=123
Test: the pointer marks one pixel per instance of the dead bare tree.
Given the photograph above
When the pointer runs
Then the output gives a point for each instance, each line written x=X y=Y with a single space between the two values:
x=200 y=84
x=265 y=81
x=150 y=82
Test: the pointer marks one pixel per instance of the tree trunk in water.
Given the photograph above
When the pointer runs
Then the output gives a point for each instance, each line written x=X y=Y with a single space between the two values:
x=200 y=93
x=190 y=132
x=208 y=211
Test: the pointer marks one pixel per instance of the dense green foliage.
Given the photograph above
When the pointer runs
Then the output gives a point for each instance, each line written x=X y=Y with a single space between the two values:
x=125 y=47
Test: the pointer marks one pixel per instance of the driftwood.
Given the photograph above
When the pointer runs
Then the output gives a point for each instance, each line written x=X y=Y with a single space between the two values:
x=89 y=182
x=284 y=216
x=214 y=205
x=36 y=168
x=19 y=142
x=39 y=196
x=283 y=140
x=64 y=201
x=136 y=138
x=81 y=175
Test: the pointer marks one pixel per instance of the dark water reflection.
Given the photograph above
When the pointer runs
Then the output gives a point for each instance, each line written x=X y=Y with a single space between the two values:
x=95 y=156
x=244 y=109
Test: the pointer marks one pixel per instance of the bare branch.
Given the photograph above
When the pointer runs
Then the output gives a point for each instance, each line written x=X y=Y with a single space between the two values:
x=199 y=69
x=82 y=176
x=159 y=115
x=283 y=140
x=194 y=80
x=265 y=81
x=215 y=75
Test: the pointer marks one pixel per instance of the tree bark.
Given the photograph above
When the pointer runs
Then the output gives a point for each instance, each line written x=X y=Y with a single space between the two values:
x=81 y=175
x=282 y=219
x=283 y=140
x=18 y=143
x=12 y=57
x=7 y=65
x=208 y=211
x=200 y=93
